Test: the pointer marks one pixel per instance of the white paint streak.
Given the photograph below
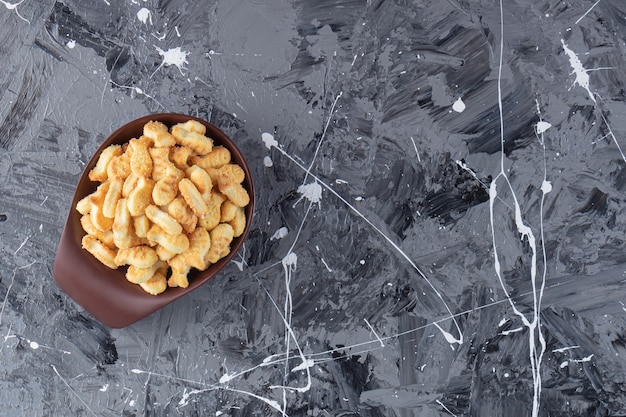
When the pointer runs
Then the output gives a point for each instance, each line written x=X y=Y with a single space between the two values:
x=585 y=359
x=587 y=12
x=72 y=390
x=13 y=6
x=416 y=151
x=447 y=335
x=280 y=233
x=319 y=144
x=22 y=245
x=525 y=232
x=445 y=408
x=326 y=265
x=395 y=246
x=242 y=256
x=508 y=332
x=619 y=148
x=137 y=90
x=564 y=349
x=382 y=344
x=6 y=295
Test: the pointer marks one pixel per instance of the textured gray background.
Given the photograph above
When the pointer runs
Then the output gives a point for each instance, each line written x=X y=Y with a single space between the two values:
x=374 y=285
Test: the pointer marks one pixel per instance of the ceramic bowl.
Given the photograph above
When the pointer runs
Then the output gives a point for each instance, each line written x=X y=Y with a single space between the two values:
x=104 y=292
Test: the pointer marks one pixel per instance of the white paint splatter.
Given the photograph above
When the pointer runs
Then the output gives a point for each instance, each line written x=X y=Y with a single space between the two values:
x=71 y=44
x=34 y=345
x=144 y=15
x=104 y=388
x=269 y=140
x=267 y=162
x=226 y=378
x=280 y=233
x=582 y=78
x=173 y=56
x=11 y=6
x=546 y=187
x=311 y=191
x=291 y=260
x=458 y=106
x=542 y=126
x=307 y=364
x=270 y=358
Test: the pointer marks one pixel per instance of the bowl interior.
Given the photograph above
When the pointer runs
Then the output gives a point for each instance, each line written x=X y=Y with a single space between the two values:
x=104 y=292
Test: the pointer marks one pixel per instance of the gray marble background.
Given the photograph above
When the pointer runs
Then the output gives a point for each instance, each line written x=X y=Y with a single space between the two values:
x=440 y=220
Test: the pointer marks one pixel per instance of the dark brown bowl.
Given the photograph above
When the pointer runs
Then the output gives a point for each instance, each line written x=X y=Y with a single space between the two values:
x=104 y=292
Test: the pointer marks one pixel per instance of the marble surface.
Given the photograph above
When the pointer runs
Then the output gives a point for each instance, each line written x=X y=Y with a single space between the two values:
x=440 y=206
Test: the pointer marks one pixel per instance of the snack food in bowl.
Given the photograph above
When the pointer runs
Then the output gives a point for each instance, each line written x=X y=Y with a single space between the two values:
x=163 y=206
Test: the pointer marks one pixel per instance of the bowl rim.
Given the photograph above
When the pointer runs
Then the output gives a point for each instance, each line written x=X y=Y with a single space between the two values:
x=104 y=292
